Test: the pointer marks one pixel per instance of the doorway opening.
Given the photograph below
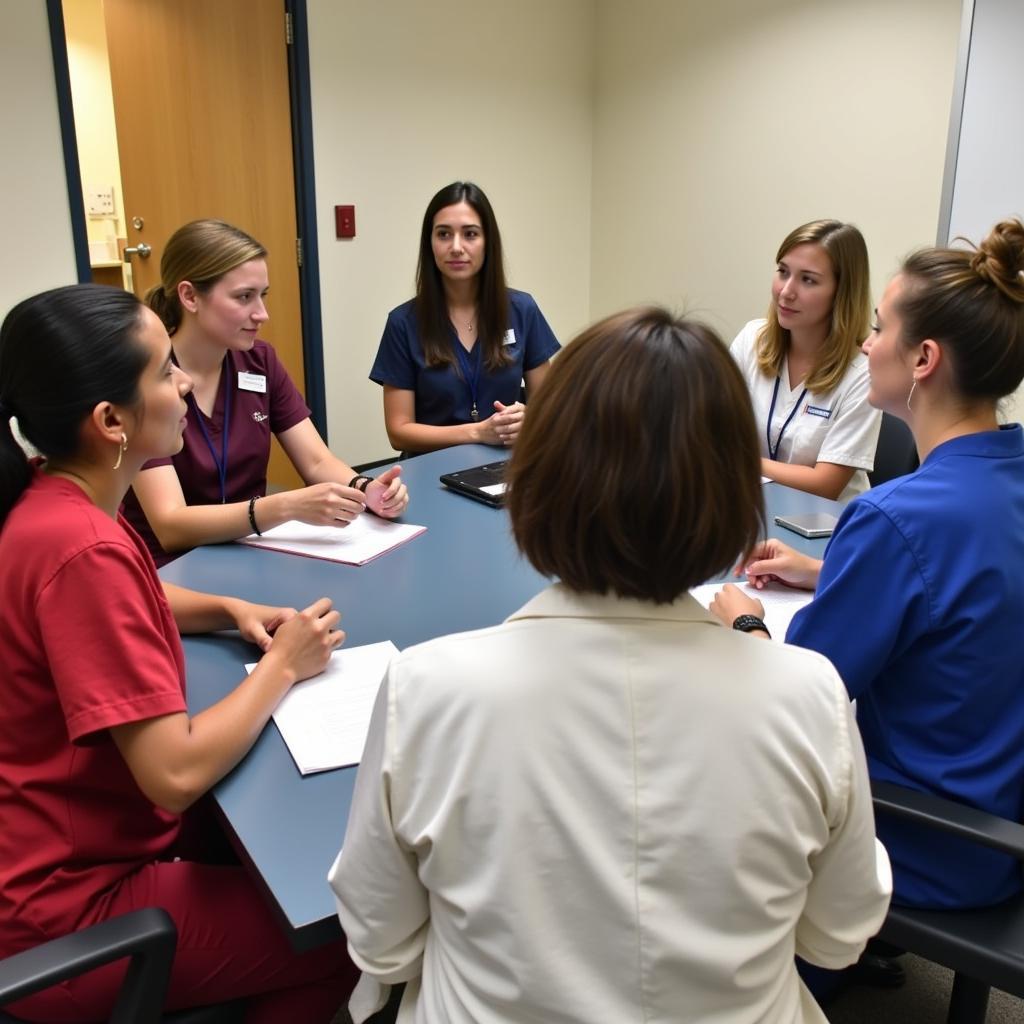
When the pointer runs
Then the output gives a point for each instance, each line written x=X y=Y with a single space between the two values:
x=175 y=110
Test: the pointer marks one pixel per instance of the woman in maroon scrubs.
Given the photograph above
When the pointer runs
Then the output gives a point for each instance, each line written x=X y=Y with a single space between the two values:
x=211 y=300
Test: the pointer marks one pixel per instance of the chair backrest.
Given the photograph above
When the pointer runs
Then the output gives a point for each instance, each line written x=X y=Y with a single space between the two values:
x=896 y=454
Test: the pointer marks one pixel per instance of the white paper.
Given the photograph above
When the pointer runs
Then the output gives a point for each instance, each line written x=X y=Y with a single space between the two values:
x=324 y=720
x=364 y=539
x=766 y=479
x=780 y=603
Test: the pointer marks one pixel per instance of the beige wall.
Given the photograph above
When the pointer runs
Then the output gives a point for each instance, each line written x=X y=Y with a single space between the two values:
x=89 y=68
x=409 y=96
x=634 y=149
x=36 y=250
x=720 y=127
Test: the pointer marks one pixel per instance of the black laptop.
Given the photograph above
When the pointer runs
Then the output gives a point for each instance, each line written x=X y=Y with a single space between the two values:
x=482 y=483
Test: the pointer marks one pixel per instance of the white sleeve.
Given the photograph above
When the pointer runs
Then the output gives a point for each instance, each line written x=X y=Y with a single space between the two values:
x=381 y=903
x=853 y=433
x=744 y=344
x=851 y=885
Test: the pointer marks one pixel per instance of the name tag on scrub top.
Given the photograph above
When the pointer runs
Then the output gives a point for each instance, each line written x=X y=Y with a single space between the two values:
x=252 y=382
x=510 y=337
x=816 y=410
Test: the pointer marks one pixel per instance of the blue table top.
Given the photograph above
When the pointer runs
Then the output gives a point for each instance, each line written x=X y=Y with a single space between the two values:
x=463 y=573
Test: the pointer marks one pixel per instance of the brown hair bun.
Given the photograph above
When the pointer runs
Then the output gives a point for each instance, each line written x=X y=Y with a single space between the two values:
x=1000 y=259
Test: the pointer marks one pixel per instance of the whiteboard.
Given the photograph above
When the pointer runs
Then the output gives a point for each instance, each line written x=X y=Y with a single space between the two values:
x=984 y=177
x=987 y=180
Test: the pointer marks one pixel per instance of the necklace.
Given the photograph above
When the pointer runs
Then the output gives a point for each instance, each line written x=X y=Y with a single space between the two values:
x=468 y=325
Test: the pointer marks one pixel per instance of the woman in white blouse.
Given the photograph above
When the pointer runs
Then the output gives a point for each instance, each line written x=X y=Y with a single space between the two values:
x=610 y=807
x=807 y=376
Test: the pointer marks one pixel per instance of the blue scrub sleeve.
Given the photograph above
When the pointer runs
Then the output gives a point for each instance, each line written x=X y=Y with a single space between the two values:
x=540 y=343
x=395 y=365
x=870 y=603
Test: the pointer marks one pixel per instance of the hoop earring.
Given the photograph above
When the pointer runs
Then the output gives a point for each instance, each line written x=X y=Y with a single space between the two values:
x=911 y=395
x=121 y=451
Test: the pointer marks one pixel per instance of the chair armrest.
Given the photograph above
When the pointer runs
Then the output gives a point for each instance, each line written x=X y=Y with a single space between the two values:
x=148 y=936
x=949 y=816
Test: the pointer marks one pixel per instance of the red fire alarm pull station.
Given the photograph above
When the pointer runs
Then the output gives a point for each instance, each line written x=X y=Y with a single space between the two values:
x=345 y=221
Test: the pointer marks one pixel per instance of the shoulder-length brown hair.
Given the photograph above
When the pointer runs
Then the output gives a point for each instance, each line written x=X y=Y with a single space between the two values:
x=492 y=296
x=637 y=470
x=851 y=308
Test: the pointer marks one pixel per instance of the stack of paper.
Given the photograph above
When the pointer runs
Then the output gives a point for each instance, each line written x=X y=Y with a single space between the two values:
x=364 y=539
x=780 y=603
x=324 y=720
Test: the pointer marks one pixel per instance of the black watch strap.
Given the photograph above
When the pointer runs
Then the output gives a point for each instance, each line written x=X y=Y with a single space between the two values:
x=749 y=623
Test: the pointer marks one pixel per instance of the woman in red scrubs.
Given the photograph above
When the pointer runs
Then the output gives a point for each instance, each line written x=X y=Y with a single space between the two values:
x=101 y=765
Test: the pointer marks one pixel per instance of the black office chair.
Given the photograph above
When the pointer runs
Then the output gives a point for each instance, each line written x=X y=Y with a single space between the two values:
x=896 y=454
x=983 y=947
x=148 y=936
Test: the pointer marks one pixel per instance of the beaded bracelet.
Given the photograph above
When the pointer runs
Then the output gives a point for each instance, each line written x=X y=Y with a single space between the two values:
x=252 y=516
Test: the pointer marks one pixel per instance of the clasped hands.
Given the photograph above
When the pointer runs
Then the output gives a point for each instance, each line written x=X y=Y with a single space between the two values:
x=771 y=561
x=302 y=640
x=503 y=426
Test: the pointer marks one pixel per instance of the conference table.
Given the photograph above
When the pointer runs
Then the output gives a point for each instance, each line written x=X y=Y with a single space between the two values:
x=463 y=573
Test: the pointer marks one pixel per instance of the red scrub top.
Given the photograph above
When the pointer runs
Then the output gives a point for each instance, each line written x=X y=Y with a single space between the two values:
x=87 y=641
x=255 y=415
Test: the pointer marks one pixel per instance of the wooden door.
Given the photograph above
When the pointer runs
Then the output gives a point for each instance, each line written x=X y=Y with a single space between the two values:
x=201 y=102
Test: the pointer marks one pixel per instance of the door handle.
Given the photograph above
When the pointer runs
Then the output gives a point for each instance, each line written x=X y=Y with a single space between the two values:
x=141 y=250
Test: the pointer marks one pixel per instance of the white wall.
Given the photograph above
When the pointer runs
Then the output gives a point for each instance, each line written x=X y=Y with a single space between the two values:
x=409 y=96
x=722 y=126
x=36 y=251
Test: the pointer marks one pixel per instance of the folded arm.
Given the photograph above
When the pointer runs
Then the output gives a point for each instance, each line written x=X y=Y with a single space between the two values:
x=176 y=758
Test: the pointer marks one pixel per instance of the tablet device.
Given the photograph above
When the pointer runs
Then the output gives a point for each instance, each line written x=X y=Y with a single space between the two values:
x=813 y=524
x=482 y=483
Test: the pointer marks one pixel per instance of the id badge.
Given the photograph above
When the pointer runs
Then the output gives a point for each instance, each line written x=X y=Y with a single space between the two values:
x=256 y=382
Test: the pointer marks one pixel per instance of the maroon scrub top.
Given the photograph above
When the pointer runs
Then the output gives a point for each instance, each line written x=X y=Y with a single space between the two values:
x=255 y=415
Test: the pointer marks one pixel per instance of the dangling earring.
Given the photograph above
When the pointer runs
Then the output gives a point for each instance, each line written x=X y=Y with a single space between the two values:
x=911 y=395
x=123 y=449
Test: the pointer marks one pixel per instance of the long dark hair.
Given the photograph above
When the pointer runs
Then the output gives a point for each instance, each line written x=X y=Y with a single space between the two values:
x=492 y=297
x=61 y=353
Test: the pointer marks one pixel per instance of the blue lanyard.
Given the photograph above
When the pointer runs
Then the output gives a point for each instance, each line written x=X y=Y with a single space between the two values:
x=774 y=452
x=222 y=462
x=470 y=372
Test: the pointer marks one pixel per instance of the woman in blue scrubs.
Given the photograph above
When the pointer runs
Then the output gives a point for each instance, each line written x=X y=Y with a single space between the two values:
x=918 y=601
x=452 y=360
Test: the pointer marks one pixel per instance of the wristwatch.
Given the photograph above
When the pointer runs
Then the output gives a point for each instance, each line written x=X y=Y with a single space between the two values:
x=749 y=623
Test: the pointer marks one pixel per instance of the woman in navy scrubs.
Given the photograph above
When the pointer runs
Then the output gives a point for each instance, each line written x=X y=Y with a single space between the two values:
x=918 y=600
x=452 y=360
